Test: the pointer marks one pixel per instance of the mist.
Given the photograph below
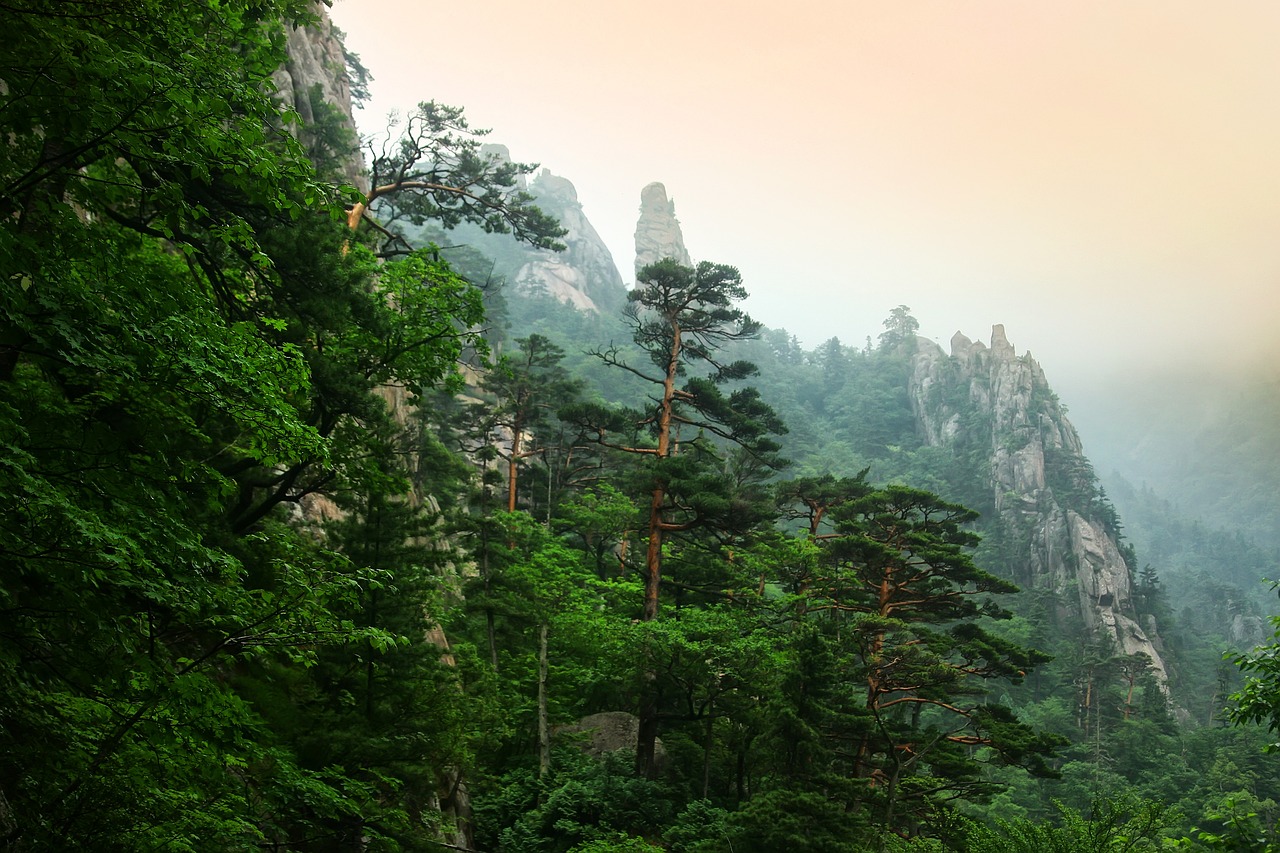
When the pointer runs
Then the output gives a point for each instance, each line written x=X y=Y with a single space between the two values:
x=1100 y=178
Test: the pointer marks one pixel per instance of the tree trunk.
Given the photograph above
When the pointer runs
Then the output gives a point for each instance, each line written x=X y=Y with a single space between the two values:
x=707 y=745
x=513 y=463
x=544 y=731
x=488 y=608
x=647 y=734
x=653 y=558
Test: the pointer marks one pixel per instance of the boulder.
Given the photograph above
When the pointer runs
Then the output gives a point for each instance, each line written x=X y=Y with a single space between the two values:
x=609 y=731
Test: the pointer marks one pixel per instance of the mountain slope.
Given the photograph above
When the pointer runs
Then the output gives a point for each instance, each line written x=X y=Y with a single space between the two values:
x=1056 y=529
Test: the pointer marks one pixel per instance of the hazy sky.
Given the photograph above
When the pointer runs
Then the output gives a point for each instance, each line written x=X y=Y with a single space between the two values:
x=1101 y=176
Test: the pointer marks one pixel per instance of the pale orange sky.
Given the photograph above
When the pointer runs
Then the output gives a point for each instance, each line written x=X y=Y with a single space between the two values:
x=1101 y=176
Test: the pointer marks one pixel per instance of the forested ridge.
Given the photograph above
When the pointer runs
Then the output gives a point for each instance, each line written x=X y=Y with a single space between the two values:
x=314 y=537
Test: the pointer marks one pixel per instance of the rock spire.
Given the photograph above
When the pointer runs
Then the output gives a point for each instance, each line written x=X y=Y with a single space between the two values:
x=658 y=232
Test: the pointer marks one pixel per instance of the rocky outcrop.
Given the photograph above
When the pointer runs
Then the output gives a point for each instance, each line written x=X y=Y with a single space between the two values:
x=316 y=65
x=1055 y=529
x=610 y=731
x=316 y=62
x=501 y=153
x=584 y=275
x=658 y=232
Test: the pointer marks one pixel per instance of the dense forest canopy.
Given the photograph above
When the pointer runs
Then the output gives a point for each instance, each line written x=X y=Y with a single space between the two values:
x=290 y=562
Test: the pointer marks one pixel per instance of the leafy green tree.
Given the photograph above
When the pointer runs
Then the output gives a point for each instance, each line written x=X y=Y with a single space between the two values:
x=528 y=387
x=398 y=339
x=590 y=803
x=549 y=586
x=388 y=709
x=131 y=364
x=810 y=500
x=1237 y=821
x=833 y=360
x=1259 y=700
x=899 y=330
x=802 y=821
x=1125 y=823
x=601 y=517
x=680 y=318
x=714 y=663
x=190 y=345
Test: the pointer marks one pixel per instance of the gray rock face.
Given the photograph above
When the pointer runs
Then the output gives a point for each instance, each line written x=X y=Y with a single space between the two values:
x=609 y=731
x=989 y=397
x=314 y=56
x=584 y=274
x=658 y=232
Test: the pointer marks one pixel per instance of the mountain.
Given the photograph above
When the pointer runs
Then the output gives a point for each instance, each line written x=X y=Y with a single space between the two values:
x=314 y=81
x=658 y=233
x=981 y=425
x=262 y=588
x=584 y=275
x=1055 y=527
x=1020 y=460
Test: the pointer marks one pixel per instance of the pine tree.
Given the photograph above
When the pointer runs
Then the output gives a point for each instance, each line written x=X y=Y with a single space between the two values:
x=900 y=587
x=681 y=318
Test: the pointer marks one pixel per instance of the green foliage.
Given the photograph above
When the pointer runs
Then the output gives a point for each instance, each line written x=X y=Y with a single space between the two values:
x=1236 y=821
x=199 y=361
x=429 y=167
x=1259 y=700
x=681 y=318
x=699 y=828
x=617 y=843
x=800 y=821
x=1123 y=824
x=600 y=804
x=188 y=342
x=899 y=331
x=526 y=389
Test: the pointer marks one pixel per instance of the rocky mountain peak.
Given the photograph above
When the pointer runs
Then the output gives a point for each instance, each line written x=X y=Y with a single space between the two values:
x=584 y=275
x=501 y=153
x=658 y=232
x=1000 y=346
x=1054 y=528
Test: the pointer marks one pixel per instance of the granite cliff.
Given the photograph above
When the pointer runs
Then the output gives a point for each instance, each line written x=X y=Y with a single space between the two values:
x=315 y=77
x=1056 y=529
x=584 y=275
